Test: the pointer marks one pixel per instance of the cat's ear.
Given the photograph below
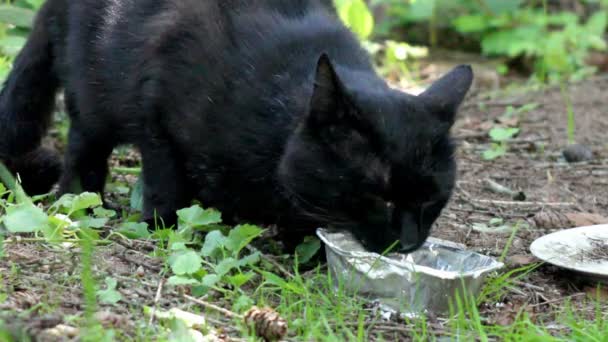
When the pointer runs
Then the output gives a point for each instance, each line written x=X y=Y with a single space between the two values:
x=445 y=95
x=328 y=93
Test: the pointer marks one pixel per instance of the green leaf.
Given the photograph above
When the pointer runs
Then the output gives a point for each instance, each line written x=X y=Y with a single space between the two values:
x=17 y=16
x=242 y=303
x=500 y=134
x=195 y=216
x=308 y=249
x=109 y=295
x=187 y=262
x=88 y=234
x=240 y=236
x=137 y=195
x=225 y=266
x=181 y=281
x=210 y=280
x=213 y=241
x=86 y=200
x=36 y=4
x=360 y=19
x=102 y=212
x=11 y=45
x=495 y=152
x=356 y=15
x=92 y=222
x=53 y=232
x=240 y=279
x=25 y=218
x=134 y=230
x=503 y=6
x=420 y=10
x=250 y=260
x=596 y=25
x=471 y=23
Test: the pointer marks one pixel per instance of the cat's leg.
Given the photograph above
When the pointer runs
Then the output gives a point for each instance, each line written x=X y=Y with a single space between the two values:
x=86 y=157
x=86 y=161
x=165 y=187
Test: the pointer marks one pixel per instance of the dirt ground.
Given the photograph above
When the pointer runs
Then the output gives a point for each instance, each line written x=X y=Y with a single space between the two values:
x=34 y=273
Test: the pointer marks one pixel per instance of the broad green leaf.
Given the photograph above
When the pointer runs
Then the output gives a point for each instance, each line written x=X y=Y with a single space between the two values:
x=225 y=266
x=196 y=216
x=92 y=222
x=102 y=212
x=187 y=262
x=360 y=19
x=471 y=23
x=240 y=236
x=210 y=280
x=86 y=200
x=242 y=303
x=64 y=202
x=250 y=260
x=597 y=23
x=36 y=4
x=134 y=230
x=240 y=279
x=495 y=152
x=17 y=16
x=213 y=241
x=308 y=249
x=503 y=134
x=109 y=295
x=11 y=45
x=25 y=218
x=53 y=232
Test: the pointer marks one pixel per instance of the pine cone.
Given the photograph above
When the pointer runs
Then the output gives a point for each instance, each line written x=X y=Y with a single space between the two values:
x=267 y=323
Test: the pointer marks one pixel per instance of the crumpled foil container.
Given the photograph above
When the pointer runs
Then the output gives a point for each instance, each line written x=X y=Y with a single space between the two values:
x=423 y=281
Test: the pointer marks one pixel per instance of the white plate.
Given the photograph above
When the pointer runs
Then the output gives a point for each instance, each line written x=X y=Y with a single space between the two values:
x=583 y=250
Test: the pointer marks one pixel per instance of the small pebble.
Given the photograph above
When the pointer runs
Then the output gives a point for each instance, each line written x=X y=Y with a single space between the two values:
x=577 y=153
x=140 y=272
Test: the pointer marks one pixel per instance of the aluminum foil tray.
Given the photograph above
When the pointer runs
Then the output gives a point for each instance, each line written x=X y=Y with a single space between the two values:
x=423 y=281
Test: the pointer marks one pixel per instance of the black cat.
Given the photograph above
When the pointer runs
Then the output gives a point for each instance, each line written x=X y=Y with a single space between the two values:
x=267 y=110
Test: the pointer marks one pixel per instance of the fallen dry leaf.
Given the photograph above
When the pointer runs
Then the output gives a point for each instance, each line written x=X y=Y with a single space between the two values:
x=600 y=293
x=520 y=260
x=586 y=219
x=557 y=220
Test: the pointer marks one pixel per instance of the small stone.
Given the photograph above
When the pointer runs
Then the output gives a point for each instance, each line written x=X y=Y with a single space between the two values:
x=140 y=272
x=577 y=153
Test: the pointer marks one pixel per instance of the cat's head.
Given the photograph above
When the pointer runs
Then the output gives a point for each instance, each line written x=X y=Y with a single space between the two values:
x=373 y=160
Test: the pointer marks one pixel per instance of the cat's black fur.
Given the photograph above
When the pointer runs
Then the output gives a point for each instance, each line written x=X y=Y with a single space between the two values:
x=268 y=110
